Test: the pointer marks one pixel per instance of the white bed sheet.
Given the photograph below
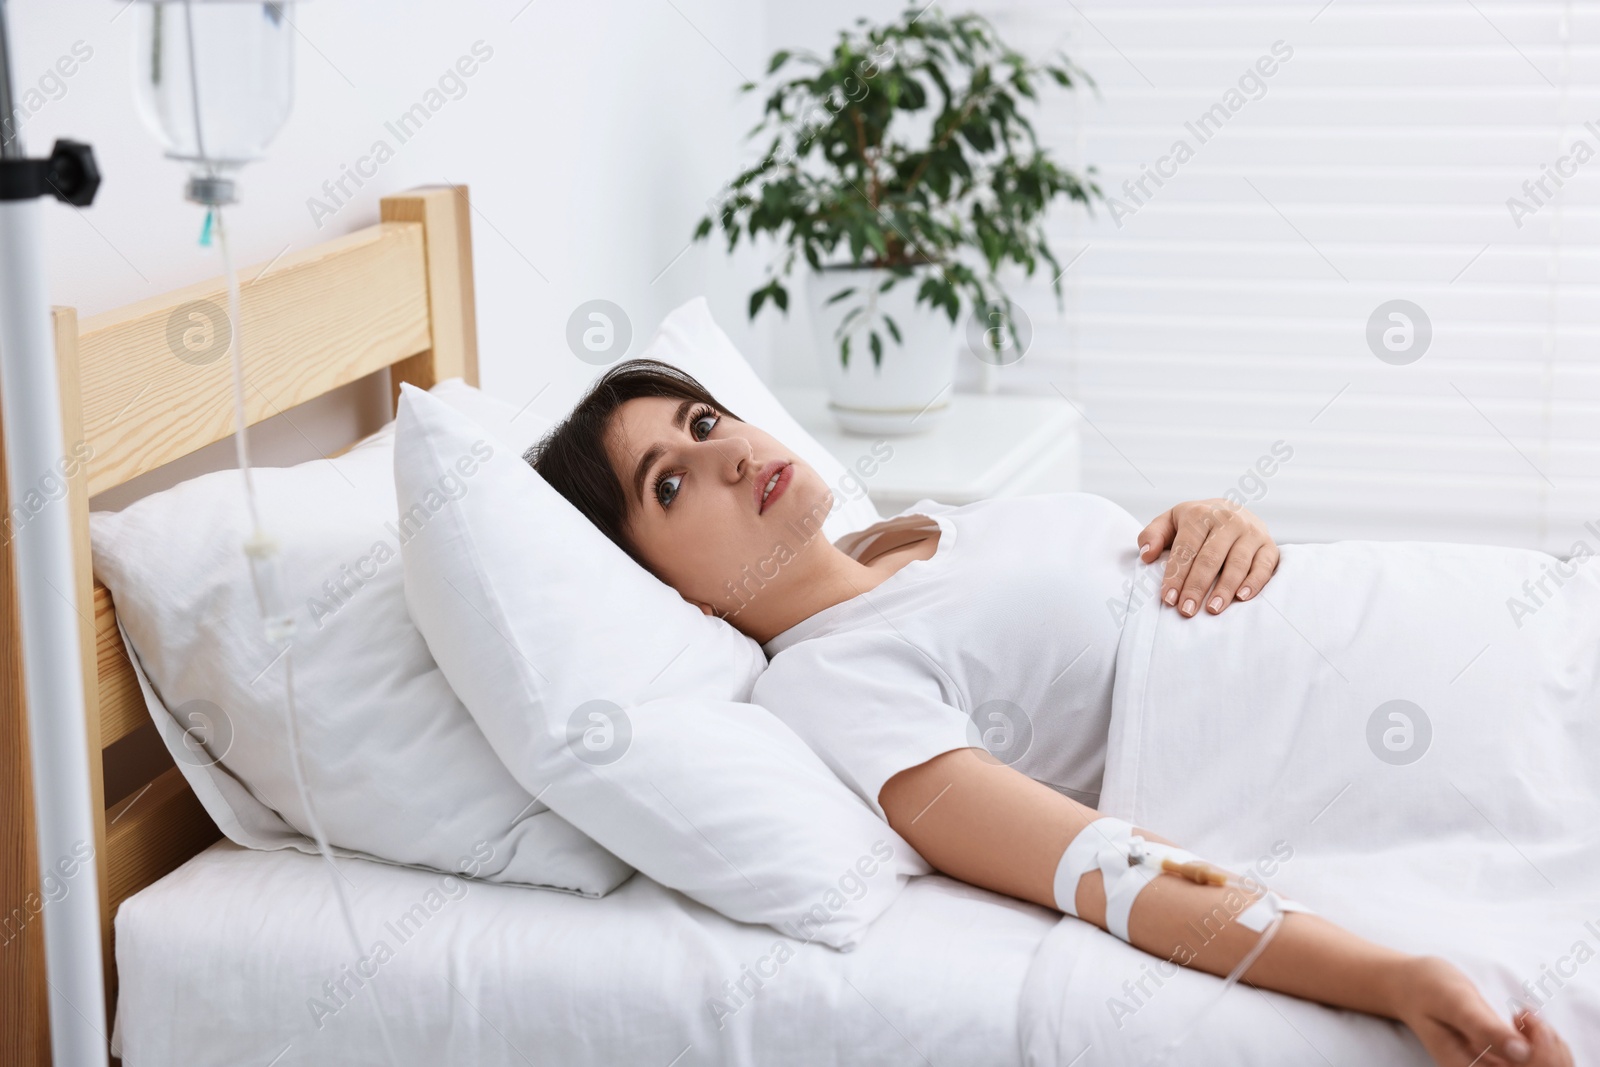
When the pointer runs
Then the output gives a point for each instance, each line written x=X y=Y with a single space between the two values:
x=224 y=960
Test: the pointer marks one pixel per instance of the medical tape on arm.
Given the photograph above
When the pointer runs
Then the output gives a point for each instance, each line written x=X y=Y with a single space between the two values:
x=1083 y=856
x=1107 y=845
x=1267 y=908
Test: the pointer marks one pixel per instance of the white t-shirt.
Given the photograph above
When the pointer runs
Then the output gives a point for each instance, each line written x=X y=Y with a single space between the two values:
x=1005 y=639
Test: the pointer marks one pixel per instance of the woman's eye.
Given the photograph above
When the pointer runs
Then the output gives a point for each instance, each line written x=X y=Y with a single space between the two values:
x=707 y=418
x=700 y=427
x=667 y=488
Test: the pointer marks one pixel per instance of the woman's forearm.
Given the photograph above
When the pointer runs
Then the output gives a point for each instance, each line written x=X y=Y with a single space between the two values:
x=984 y=823
x=1309 y=957
x=979 y=820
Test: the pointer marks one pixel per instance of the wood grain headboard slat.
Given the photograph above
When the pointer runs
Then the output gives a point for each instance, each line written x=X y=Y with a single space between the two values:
x=157 y=380
x=122 y=709
x=151 y=832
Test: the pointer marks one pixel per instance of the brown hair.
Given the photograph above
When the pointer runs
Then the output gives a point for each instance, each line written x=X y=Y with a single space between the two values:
x=572 y=457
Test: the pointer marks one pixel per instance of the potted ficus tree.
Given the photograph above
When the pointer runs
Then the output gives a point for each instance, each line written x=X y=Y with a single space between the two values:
x=902 y=170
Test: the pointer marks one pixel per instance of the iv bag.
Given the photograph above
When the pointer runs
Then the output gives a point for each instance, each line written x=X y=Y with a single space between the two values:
x=243 y=59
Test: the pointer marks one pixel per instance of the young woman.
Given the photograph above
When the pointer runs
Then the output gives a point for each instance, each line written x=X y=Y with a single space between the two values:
x=871 y=636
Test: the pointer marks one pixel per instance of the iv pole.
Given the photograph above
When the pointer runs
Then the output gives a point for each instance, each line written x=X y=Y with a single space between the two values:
x=30 y=404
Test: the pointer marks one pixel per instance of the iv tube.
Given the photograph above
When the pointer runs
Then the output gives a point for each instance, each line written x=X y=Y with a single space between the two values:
x=251 y=41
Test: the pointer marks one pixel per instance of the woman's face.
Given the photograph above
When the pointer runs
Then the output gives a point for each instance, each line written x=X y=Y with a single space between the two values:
x=703 y=509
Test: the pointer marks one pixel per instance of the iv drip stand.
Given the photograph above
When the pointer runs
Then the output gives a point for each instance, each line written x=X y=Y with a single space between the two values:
x=30 y=405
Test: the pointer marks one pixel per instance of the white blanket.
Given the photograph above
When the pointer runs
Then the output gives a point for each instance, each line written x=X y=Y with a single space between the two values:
x=1463 y=822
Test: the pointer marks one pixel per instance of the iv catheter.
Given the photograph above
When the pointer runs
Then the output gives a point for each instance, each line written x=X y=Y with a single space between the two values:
x=1197 y=871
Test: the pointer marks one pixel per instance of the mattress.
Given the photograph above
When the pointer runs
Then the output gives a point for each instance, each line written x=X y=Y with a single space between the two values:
x=240 y=956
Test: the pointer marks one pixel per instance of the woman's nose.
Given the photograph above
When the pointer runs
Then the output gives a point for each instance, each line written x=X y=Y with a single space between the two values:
x=732 y=456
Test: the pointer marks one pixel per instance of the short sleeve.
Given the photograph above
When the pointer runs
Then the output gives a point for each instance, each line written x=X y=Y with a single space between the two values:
x=869 y=704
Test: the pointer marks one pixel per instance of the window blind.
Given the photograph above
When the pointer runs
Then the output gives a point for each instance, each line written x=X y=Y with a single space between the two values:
x=1235 y=302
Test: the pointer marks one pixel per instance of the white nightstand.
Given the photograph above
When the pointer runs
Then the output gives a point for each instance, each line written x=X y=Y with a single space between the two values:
x=989 y=445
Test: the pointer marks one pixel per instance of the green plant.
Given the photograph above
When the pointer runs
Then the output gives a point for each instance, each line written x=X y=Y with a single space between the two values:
x=905 y=147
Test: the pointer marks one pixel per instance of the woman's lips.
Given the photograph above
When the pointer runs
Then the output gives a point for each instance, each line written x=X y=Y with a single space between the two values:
x=785 y=473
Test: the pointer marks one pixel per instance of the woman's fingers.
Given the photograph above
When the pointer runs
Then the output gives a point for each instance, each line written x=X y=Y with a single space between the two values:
x=1212 y=531
x=1153 y=539
x=1548 y=1048
x=1447 y=1046
x=1261 y=571
x=1456 y=1025
x=1208 y=563
x=1219 y=553
x=1486 y=1034
x=1194 y=528
x=1240 y=558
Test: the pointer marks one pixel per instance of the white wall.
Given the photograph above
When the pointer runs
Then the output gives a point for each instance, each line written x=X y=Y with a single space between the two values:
x=591 y=141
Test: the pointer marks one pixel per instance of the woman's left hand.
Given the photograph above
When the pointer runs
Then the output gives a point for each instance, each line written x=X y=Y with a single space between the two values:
x=1214 y=542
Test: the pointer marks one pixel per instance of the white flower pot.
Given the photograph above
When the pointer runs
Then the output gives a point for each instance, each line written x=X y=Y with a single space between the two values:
x=910 y=392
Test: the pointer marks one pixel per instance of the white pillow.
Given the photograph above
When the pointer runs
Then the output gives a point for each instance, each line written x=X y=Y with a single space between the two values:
x=690 y=340
x=395 y=766
x=619 y=703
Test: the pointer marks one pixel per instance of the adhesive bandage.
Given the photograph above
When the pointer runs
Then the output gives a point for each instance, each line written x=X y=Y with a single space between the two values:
x=1263 y=911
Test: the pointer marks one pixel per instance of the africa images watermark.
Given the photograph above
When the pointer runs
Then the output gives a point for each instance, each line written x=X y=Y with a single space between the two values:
x=54 y=887
x=47 y=88
x=337 y=993
x=851 y=885
x=338 y=590
x=1136 y=994
x=1553 y=977
x=803 y=127
x=804 y=528
x=1252 y=484
x=1399 y=732
x=599 y=732
x=451 y=85
x=1537 y=593
x=1537 y=192
x=51 y=486
x=1251 y=86
x=1251 y=487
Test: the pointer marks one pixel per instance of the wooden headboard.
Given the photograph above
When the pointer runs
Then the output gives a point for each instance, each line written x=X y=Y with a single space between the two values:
x=395 y=297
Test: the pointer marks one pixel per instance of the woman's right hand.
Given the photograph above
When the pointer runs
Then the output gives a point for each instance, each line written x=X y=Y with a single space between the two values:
x=1458 y=1027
